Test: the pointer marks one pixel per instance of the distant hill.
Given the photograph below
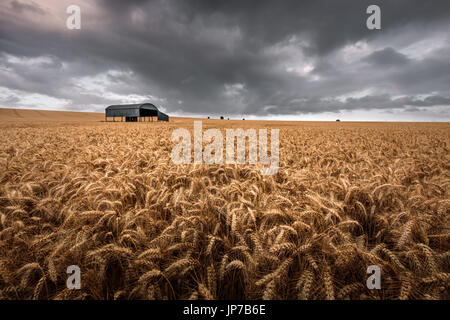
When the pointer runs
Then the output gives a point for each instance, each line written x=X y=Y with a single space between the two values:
x=46 y=115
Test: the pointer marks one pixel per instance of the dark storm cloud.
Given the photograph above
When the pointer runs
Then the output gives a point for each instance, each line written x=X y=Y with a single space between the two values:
x=387 y=57
x=229 y=57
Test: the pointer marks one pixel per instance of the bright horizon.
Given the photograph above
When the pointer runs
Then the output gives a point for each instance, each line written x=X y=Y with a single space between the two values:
x=251 y=118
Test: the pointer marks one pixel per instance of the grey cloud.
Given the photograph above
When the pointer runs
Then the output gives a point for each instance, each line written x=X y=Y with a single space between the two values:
x=428 y=101
x=387 y=57
x=377 y=102
x=22 y=7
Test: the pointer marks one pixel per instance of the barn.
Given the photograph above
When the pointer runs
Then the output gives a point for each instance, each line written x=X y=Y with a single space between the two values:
x=135 y=112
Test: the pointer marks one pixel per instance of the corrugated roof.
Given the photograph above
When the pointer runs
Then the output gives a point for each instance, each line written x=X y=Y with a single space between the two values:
x=131 y=106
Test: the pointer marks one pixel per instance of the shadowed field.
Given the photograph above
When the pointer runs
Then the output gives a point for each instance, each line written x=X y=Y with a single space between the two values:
x=106 y=197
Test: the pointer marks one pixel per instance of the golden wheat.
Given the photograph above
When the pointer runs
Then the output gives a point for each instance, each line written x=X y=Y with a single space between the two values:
x=106 y=197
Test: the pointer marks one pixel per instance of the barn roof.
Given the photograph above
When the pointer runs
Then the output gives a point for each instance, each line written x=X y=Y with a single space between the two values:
x=132 y=106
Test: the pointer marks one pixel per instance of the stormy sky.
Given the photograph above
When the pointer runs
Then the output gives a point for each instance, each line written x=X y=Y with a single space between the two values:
x=311 y=60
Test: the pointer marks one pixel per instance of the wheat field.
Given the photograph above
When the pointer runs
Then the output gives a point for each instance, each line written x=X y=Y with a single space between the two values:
x=106 y=197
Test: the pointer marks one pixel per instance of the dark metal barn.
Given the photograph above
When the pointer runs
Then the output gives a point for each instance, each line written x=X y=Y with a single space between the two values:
x=135 y=112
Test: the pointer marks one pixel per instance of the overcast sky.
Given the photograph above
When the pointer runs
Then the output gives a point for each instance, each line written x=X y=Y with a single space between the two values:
x=311 y=60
